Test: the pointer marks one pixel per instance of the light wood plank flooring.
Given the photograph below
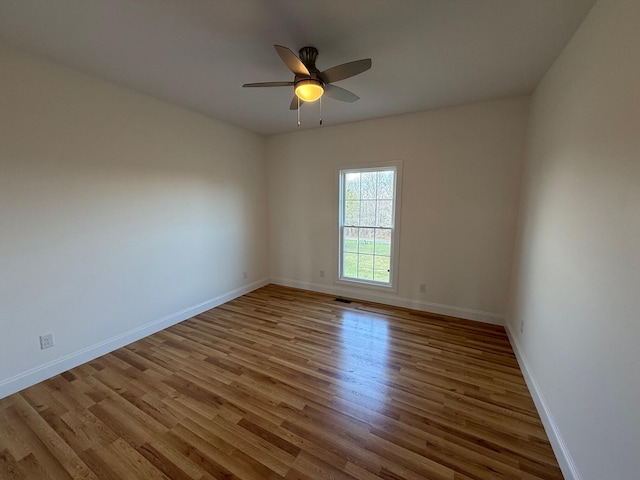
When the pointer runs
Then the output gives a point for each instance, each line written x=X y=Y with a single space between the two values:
x=284 y=383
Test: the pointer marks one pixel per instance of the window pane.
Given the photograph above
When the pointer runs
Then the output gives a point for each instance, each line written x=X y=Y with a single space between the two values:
x=385 y=184
x=368 y=185
x=381 y=272
x=366 y=240
x=352 y=186
x=365 y=266
x=350 y=240
x=385 y=213
x=383 y=242
x=350 y=267
x=368 y=213
x=352 y=212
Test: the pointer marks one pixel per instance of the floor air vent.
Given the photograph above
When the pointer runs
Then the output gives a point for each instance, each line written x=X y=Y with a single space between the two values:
x=342 y=300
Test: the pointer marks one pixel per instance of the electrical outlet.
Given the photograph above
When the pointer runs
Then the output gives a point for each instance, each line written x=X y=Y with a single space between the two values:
x=244 y=275
x=321 y=273
x=423 y=288
x=46 y=341
x=521 y=326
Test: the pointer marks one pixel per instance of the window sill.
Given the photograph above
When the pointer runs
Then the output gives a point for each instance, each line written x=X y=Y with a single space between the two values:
x=363 y=284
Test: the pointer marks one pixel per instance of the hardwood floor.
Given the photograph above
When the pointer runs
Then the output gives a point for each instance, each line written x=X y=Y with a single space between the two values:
x=284 y=383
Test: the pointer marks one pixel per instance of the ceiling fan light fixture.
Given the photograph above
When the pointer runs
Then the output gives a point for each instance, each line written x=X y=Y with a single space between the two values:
x=309 y=89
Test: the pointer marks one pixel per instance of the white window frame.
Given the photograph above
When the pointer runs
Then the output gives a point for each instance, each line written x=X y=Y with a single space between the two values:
x=392 y=286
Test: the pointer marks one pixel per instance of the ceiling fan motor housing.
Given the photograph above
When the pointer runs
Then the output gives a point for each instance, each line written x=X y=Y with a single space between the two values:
x=308 y=56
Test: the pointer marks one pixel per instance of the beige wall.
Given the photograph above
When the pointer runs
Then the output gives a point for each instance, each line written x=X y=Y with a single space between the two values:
x=461 y=169
x=577 y=277
x=119 y=215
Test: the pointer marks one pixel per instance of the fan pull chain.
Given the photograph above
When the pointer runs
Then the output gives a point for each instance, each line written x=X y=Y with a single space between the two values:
x=298 y=111
x=320 y=111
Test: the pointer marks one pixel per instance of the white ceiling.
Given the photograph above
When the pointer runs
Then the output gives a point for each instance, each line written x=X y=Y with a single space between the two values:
x=197 y=53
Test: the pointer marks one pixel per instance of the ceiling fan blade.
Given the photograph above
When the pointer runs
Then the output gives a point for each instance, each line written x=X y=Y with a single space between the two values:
x=346 y=70
x=269 y=84
x=341 y=94
x=292 y=61
x=294 y=103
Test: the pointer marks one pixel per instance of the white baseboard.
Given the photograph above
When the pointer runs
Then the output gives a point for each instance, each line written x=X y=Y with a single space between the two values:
x=565 y=460
x=395 y=300
x=59 y=365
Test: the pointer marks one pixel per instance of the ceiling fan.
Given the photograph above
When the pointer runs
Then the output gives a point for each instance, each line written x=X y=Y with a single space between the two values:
x=310 y=83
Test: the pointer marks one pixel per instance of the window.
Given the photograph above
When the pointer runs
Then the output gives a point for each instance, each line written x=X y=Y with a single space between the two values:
x=368 y=230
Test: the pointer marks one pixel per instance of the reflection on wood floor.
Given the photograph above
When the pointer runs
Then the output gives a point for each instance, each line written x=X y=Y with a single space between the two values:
x=284 y=383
